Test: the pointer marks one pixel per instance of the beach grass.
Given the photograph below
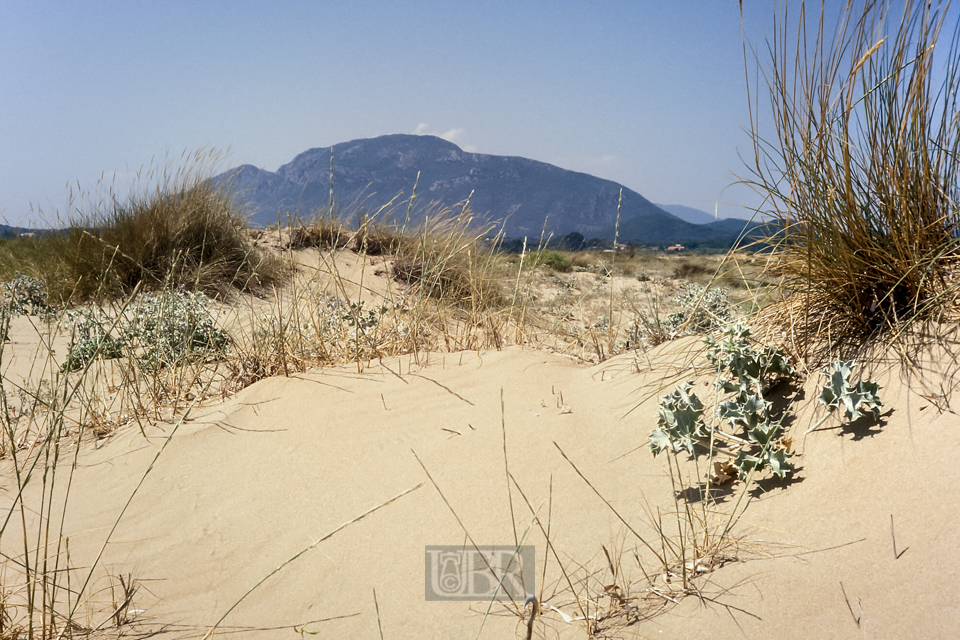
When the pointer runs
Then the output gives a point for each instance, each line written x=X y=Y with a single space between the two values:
x=175 y=231
x=857 y=162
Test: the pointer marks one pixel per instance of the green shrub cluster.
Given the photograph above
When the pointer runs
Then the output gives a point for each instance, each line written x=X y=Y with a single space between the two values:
x=553 y=259
x=746 y=373
x=162 y=329
x=701 y=309
x=25 y=296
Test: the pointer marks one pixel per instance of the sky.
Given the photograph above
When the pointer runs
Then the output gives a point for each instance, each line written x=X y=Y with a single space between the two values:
x=650 y=94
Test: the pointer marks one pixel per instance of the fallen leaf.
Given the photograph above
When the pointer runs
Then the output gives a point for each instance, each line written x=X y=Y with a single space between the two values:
x=723 y=472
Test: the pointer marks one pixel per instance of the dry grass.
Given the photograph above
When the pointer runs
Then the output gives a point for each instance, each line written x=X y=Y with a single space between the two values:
x=181 y=233
x=860 y=171
x=863 y=182
x=323 y=233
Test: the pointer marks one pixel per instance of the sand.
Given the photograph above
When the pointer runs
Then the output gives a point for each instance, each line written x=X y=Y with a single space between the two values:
x=861 y=542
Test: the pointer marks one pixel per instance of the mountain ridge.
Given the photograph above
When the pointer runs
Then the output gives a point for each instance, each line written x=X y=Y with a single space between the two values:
x=527 y=197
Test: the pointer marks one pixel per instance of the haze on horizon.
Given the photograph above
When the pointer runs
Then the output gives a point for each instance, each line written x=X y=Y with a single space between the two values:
x=650 y=94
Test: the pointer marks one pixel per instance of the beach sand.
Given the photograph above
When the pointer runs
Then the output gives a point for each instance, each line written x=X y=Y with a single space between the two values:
x=245 y=484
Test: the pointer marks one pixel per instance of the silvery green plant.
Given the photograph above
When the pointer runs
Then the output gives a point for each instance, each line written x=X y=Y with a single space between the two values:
x=161 y=329
x=746 y=373
x=91 y=338
x=839 y=392
x=365 y=320
x=25 y=296
x=706 y=309
x=742 y=368
x=680 y=420
x=172 y=328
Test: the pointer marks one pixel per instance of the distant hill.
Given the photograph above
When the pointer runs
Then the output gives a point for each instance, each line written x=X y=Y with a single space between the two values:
x=666 y=229
x=688 y=214
x=7 y=231
x=524 y=193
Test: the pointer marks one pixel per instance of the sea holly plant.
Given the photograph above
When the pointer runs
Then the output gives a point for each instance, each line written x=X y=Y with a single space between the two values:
x=742 y=368
x=25 y=296
x=701 y=309
x=839 y=392
x=91 y=338
x=746 y=373
x=172 y=328
x=681 y=422
x=168 y=328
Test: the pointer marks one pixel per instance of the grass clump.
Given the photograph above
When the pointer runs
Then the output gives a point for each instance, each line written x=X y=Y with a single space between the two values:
x=323 y=233
x=183 y=234
x=861 y=170
x=687 y=270
x=449 y=260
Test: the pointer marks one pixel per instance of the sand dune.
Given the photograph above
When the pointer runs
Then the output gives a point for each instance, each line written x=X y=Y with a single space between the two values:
x=244 y=485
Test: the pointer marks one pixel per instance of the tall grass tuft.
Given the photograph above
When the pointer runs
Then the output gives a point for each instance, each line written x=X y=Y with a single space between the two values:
x=450 y=258
x=861 y=173
x=184 y=232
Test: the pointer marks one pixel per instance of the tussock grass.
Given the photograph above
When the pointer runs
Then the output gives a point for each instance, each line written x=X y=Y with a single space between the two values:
x=450 y=259
x=861 y=171
x=322 y=233
x=183 y=233
x=553 y=259
x=688 y=270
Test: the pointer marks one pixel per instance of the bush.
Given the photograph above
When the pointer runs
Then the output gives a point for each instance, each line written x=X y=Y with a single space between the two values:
x=553 y=259
x=687 y=270
x=183 y=234
x=448 y=259
x=91 y=338
x=25 y=296
x=322 y=234
x=706 y=309
x=163 y=329
x=747 y=373
x=172 y=328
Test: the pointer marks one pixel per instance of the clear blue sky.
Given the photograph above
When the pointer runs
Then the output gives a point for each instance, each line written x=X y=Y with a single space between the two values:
x=650 y=94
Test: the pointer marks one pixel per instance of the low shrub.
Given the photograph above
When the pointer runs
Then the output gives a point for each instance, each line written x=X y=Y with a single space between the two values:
x=448 y=259
x=754 y=440
x=553 y=259
x=25 y=296
x=162 y=329
x=746 y=373
x=689 y=270
x=182 y=234
x=321 y=234
x=701 y=309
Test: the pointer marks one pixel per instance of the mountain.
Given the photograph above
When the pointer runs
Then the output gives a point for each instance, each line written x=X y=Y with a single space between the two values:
x=520 y=192
x=688 y=214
